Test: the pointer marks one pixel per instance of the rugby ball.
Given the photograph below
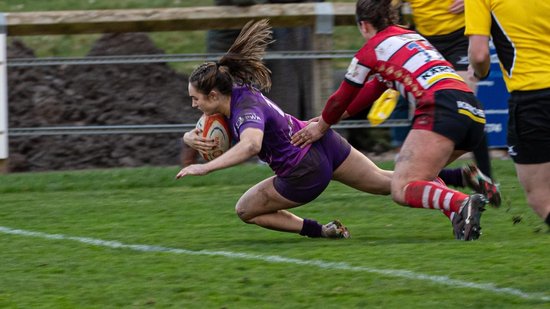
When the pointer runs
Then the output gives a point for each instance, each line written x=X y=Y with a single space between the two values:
x=215 y=127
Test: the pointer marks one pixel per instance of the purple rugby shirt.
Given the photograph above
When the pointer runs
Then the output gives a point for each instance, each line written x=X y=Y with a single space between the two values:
x=251 y=109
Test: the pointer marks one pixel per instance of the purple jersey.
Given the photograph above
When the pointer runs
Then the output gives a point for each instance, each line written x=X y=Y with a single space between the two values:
x=251 y=109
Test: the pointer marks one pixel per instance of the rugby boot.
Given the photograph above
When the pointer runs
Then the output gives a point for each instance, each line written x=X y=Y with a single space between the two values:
x=481 y=184
x=466 y=223
x=335 y=229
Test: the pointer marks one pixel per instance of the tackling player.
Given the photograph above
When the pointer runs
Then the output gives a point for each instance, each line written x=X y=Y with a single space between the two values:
x=448 y=120
x=442 y=24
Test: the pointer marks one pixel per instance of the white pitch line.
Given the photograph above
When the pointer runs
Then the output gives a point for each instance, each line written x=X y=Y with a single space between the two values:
x=488 y=287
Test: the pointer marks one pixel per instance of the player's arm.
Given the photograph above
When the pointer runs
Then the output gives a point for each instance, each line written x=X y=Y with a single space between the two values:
x=194 y=140
x=334 y=108
x=249 y=145
x=371 y=91
x=478 y=29
x=479 y=55
x=336 y=105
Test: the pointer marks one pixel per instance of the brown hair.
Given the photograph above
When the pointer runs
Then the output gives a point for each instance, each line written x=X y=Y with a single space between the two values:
x=379 y=13
x=241 y=64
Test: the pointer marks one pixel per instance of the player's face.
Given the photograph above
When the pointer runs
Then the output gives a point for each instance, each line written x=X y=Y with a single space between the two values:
x=203 y=102
x=366 y=30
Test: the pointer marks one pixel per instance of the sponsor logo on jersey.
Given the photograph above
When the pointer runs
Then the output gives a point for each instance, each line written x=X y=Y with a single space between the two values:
x=435 y=74
x=247 y=117
x=471 y=112
x=424 y=49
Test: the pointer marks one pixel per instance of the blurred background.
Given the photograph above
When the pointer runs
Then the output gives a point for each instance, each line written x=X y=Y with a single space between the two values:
x=149 y=93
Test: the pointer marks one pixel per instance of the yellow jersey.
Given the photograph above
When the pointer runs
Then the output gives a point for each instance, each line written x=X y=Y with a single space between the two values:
x=432 y=17
x=520 y=31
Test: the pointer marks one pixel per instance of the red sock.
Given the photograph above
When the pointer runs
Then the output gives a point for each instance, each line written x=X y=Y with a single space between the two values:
x=428 y=194
x=448 y=213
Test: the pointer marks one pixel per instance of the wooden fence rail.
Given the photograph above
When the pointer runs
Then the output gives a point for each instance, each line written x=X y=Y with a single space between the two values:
x=321 y=17
x=176 y=19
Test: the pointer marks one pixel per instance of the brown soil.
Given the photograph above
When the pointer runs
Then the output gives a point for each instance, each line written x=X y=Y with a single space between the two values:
x=101 y=94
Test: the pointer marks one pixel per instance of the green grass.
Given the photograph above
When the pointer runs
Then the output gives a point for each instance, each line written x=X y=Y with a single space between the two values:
x=146 y=206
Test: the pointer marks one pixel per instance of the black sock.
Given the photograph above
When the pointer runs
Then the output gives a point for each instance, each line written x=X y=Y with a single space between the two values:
x=482 y=157
x=311 y=228
x=547 y=219
x=452 y=176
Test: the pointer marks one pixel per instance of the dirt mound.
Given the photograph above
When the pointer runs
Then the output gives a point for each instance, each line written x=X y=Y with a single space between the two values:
x=101 y=94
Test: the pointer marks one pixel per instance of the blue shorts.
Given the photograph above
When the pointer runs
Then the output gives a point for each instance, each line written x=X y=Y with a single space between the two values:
x=307 y=180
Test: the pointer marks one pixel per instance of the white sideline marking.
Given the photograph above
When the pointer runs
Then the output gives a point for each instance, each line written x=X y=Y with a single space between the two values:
x=488 y=287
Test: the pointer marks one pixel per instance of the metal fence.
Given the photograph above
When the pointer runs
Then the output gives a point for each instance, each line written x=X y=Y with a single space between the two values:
x=165 y=128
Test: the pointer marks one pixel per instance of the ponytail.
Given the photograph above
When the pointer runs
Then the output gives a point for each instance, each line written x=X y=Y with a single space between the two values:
x=379 y=13
x=241 y=64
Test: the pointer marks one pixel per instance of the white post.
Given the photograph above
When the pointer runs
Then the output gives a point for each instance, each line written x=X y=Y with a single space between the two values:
x=3 y=95
x=322 y=68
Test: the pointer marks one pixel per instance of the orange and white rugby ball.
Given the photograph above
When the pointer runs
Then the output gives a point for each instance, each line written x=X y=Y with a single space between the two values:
x=215 y=127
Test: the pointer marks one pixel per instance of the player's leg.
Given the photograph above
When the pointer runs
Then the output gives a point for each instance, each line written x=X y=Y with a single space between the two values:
x=471 y=176
x=481 y=153
x=264 y=206
x=423 y=155
x=359 y=172
x=528 y=142
x=534 y=179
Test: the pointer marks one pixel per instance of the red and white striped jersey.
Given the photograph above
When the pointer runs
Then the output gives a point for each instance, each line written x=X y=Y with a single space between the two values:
x=394 y=58
x=404 y=61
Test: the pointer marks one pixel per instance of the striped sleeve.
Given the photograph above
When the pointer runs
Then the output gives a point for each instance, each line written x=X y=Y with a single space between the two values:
x=357 y=73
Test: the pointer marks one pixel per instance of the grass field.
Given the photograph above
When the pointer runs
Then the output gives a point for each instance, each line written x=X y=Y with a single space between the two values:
x=137 y=238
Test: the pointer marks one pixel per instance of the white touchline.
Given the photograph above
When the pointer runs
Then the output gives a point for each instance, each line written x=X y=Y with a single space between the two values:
x=488 y=287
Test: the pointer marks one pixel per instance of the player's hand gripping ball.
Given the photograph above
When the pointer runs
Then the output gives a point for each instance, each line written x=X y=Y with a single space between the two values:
x=215 y=127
